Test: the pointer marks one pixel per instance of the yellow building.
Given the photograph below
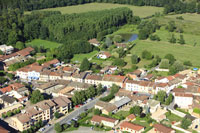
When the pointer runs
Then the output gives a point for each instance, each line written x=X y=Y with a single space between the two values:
x=43 y=110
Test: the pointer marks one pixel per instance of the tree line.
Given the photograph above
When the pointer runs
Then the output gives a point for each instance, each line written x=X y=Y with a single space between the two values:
x=177 y=6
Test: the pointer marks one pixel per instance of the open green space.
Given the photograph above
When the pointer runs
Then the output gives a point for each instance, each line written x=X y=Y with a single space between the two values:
x=79 y=57
x=43 y=43
x=123 y=113
x=181 y=52
x=142 y=11
x=190 y=39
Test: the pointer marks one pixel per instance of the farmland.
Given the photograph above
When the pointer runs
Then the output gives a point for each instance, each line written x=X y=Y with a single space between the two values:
x=43 y=43
x=138 y=11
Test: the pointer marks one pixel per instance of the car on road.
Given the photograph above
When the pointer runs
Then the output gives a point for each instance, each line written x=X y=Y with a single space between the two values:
x=75 y=119
x=69 y=122
x=42 y=129
x=48 y=125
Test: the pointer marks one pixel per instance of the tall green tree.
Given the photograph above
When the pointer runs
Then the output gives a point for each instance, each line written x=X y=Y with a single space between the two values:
x=85 y=65
x=36 y=97
x=181 y=40
x=137 y=110
x=172 y=39
x=161 y=95
x=134 y=59
x=171 y=58
x=20 y=45
x=185 y=123
x=58 y=127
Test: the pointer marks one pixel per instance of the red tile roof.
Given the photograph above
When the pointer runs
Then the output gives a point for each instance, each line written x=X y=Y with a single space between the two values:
x=163 y=129
x=131 y=126
x=3 y=130
x=51 y=62
x=131 y=116
x=97 y=118
x=6 y=89
x=114 y=78
x=107 y=54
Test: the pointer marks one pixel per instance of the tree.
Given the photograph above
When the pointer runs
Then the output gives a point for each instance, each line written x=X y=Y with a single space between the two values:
x=108 y=42
x=117 y=38
x=100 y=89
x=198 y=8
x=169 y=99
x=171 y=26
x=181 y=40
x=172 y=39
x=164 y=63
x=121 y=52
x=185 y=123
x=97 y=111
x=187 y=63
x=119 y=62
x=161 y=95
x=147 y=55
x=154 y=37
x=134 y=59
x=137 y=110
x=58 y=127
x=56 y=115
x=36 y=97
x=171 y=58
x=9 y=113
x=20 y=45
x=178 y=66
x=85 y=65
x=143 y=34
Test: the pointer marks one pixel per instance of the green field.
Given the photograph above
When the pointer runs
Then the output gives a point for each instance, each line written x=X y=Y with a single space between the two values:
x=143 y=11
x=44 y=43
x=79 y=57
x=181 y=52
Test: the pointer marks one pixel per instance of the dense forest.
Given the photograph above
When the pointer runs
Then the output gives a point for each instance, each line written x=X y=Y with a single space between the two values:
x=72 y=30
x=177 y=6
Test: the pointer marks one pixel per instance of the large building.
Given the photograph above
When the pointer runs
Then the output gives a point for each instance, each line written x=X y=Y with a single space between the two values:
x=43 y=110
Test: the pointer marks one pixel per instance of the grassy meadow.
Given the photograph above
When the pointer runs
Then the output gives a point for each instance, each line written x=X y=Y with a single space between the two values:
x=181 y=52
x=80 y=57
x=44 y=43
x=143 y=11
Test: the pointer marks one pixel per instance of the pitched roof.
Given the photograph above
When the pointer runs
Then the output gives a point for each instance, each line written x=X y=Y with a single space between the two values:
x=26 y=51
x=182 y=94
x=94 y=77
x=163 y=129
x=137 y=72
x=94 y=40
x=61 y=101
x=8 y=99
x=122 y=101
x=107 y=54
x=6 y=89
x=32 y=67
x=129 y=125
x=23 y=118
x=114 y=78
x=14 y=86
x=51 y=62
x=97 y=118
x=131 y=116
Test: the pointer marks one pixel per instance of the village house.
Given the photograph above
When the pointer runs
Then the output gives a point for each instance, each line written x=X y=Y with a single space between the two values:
x=19 y=56
x=6 y=101
x=134 y=75
x=94 y=42
x=44 y=75
x=79 y=77
x=106 y=107
x=20 y=88
x=159 y=128
x=121 y=102
x=139 y=86
x=131 y=117
x=93 y=79
x=153 y=105
x=6 y=49
x=130 y=127
x=161 y=87
x=104 y=55
x=109 y=80
x=68 y=69
x=43 y=110
x=29 y=72
x=51 y=63
x=109 y=122
x=149 y=77
x=55 y=76
x=183 y=100
x=109 y=70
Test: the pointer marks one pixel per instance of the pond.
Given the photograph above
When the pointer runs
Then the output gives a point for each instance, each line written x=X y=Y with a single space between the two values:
x=129 y=37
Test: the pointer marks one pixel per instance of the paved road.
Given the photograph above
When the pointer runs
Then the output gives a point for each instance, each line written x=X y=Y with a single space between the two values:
x=73 y=115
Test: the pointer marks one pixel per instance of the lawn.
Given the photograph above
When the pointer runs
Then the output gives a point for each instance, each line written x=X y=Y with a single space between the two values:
x=173 y=117
x=79 y=57
x=122 y=113
x=181 y=52
x=142 y=11
x=44 y=43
